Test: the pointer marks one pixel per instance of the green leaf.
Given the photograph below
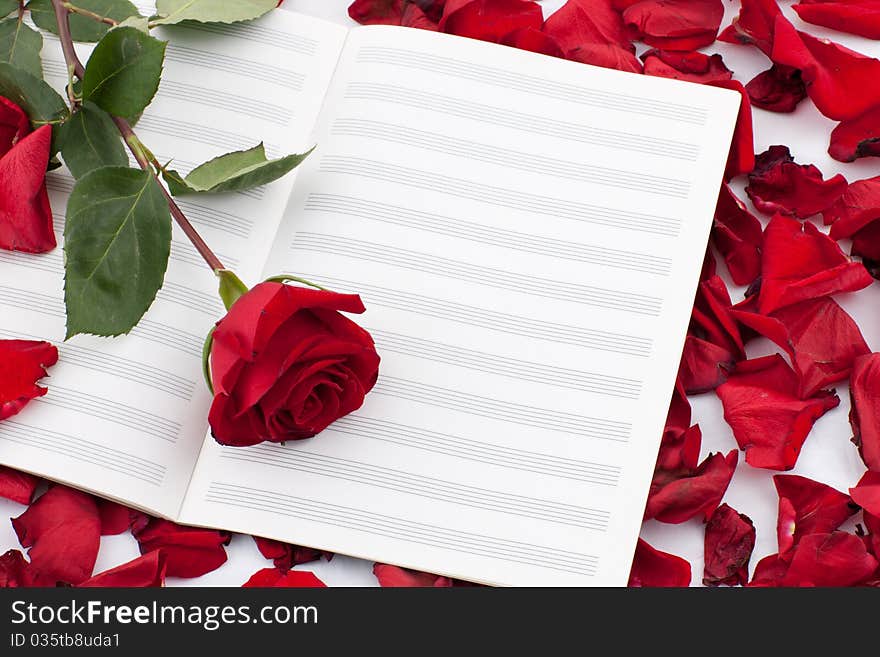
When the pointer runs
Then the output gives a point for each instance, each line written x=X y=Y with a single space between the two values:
x=39 y=101
x=7 y=7
x=82 y=28
x=117 y=240
x=122 y=75
x=91 y=141
x=233 y=172
x=21 y=46
x=211 y=11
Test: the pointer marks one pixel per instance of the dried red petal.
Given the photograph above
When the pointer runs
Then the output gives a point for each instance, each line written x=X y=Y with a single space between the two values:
x=778 y=89
x=190 y=551
x=145 y=571
x=739 y=237
x=675 y=24
x=285 y=556
x=533 y=40
x=768 y=418
x=17 y=486
x=821 y=339
x=690 y=66
x=779 y=185
x=22 y=364
x=396 y=577
x=274 y=578
x=489 y=20
x=592 y=32
x=866 y=493
x=742 y=148
x=730 y=539
x=856 y=137
x=807 y=507
x=840 y=81
x=860 y=17
x=63 y=531
x=652 y=567
x=754 y=25
x=14 y=571
x=864 y=414
x=799 y=262
x=834 y=559
x=679 y=496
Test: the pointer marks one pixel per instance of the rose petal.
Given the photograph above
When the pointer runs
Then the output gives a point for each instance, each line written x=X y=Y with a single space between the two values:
x=652 y=567
x=675 y=24
x=834 y=559
x=856 y=137
x=769 y=572
x=394 y=576
x=17 y=486
x=730 y=539
x=779 y=185
x=739 y=237
x=866 y=493
x=864 y=415
x=768 y=418
x=807 y=507
x=14 y=125
x=533 y=40
x=855 y=209
x=860 y=17
x=22 y=364
x=754 y=25
x=190 y=552
x=742 y=149
x=145 y=571
x=63 y=531
x=272 y=577
x=489 y=20
x=14 y=571
x=25 y=213
x=690 y=66
x=115 y=518
x=409 y=13
x=799 y=262
x=778 y=89
x=285 y=556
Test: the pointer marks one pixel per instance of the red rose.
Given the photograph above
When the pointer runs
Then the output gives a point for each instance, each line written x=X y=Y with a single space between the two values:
x=285 y=364
x=25 y=214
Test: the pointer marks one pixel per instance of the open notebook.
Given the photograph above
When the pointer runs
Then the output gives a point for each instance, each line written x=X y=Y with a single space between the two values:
x=527 y=235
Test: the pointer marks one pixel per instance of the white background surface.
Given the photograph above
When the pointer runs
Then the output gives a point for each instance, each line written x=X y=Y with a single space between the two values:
x=828 y=456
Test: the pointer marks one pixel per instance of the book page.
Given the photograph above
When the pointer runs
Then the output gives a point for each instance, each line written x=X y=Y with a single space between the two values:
x=126 y=417
x=527 y=235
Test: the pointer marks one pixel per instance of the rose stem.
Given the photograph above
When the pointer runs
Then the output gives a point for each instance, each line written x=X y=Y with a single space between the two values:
x=90 y=14
x=134 y=144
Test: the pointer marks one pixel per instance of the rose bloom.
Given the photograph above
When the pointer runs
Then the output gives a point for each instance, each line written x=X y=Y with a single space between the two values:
x=285 y=364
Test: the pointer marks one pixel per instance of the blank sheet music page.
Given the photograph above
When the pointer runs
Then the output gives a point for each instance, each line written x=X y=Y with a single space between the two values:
x=126 y=417
x=527 y=235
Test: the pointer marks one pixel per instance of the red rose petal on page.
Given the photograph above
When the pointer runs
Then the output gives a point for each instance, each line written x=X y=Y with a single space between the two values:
x=533 y=40
x=807 y=507
x=742 y=148
x=864 y=414
x=190 y=551
x=860 y=17
x=652 y=567
x=145 y=571
x=274 y=578
x=768 y=418
x=778 y=89
x=840 y=81
x=738 y=236
x=17 y=486
x=490 y=20
x=14 y=570
x=819 y=336
x=679 y=496
x=799 y=263
x=833 y=559
x=730 y=539
x=396 y=577
x=866 y=493
x=856 y=137
x=754 y=25
x=779 y=185
x=285 y=556
x=25 y=213
x=769 y=572
x=690 y=66
x=115 y=518
x=675 y=24
x=63 y=531
x=22 y=364
x=592 y=32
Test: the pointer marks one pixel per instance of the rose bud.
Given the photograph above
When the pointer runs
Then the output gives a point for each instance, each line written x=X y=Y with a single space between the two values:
x=284 y=363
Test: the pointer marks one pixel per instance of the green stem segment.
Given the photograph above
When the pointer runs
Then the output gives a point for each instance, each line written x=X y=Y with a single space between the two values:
x=73 y=9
